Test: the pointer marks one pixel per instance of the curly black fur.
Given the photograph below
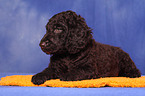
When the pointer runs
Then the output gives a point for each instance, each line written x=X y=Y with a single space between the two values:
x=76 y=56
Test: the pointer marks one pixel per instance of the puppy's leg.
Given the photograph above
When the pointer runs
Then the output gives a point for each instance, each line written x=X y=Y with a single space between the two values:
x=127 y=67
x=41 y=77
x=79 y=74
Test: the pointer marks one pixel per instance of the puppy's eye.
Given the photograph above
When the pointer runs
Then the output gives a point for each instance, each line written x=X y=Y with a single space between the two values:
x=57 y=31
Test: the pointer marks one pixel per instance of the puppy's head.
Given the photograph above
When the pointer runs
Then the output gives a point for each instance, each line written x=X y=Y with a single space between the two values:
x=65 y=32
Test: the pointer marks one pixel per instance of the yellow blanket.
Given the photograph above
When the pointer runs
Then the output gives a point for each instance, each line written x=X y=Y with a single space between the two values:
x=25 y=80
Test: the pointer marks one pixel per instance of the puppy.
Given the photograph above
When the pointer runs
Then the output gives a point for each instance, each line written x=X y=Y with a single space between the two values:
x=75 y=55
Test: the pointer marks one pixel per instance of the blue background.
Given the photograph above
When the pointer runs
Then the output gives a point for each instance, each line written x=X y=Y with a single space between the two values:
x=22 y=25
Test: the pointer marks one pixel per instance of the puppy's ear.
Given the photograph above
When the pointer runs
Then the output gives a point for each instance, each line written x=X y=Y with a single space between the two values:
x=79 y=34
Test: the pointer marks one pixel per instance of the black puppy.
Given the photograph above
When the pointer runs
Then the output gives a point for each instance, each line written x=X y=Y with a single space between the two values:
x=76 y=56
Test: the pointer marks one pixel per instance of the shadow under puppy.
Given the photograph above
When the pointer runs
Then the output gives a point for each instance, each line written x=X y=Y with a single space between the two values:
x=76 y=56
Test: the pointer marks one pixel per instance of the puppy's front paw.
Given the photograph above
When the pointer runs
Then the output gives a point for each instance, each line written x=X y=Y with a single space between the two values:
x=38 y=79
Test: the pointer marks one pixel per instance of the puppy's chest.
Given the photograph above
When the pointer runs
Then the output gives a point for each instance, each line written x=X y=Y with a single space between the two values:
x=68 y=62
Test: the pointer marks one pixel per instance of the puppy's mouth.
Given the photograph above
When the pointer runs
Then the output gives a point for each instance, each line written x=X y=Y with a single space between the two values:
x=48 y=48
x=48 y=53
x=44 y=50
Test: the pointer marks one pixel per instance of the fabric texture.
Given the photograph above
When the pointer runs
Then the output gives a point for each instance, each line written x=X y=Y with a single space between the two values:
x=25 y=80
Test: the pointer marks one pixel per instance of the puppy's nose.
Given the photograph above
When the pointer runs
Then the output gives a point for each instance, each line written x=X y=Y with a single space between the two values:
x=42 y=44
